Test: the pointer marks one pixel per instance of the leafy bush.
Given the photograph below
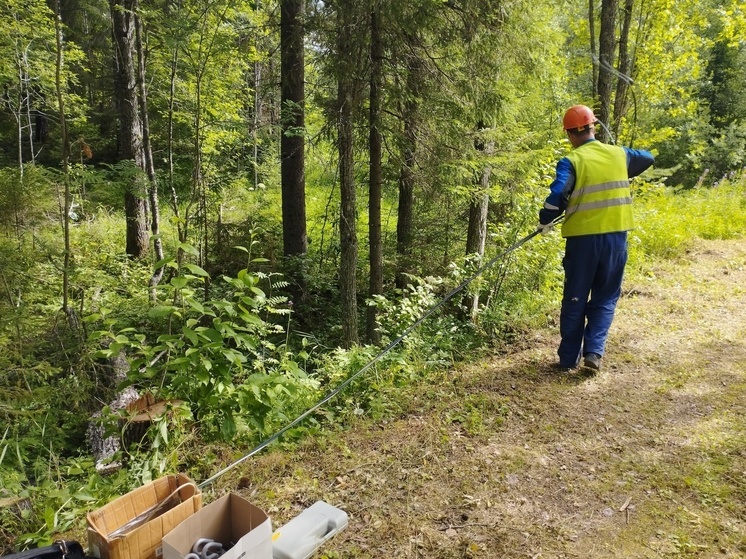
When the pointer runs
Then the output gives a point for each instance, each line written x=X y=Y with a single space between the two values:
x=25 y=197
x=440 y=338
x=231 y=365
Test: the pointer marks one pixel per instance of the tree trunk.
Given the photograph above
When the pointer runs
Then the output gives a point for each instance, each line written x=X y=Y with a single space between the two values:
x=130 y=124
x=181 y=224
x=476 y=235
x=607 y=47
x=625 y=70
x=594 y=53
x=17 y=191
x=66 y=308
x=477 y=232
x=347 y=221
x=155 y=214
x=257 y=106
x=292 y=144
x=374 y=189
x=405 y=215
x=28 y=97
x=199 y=183
x=405 y=218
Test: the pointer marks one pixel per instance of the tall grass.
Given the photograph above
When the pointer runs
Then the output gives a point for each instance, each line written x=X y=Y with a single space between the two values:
x=669 y=221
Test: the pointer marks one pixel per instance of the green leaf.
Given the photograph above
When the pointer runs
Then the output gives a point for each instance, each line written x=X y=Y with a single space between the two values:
x=196 y=270
x=293 y=368
x=49 y=517
x=256 y=392
x=161 y=311
x=213 y=335
x=179 y=282
x=164 y=262
x=251 y=318
x=84 y=496
x=191 y=335
x=189 y=249
x=228 y=427
x=163 y=427
x=196 y=305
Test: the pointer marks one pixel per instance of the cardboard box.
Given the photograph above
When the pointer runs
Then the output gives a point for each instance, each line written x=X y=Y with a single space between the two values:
x=244 y=530
x=133 y=525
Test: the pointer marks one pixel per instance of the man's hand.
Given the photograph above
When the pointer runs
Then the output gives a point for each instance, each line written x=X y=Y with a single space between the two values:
x=545 y=228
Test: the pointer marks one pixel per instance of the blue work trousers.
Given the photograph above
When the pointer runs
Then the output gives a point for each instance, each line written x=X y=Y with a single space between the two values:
x=594 y=268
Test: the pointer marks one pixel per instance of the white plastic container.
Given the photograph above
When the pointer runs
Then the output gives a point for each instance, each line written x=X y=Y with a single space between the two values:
x=304 y=534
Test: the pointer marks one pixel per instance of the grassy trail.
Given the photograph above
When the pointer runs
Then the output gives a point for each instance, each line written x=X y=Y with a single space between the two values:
x=506 y=459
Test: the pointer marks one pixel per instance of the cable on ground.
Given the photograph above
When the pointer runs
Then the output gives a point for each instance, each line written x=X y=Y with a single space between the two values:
x=261 y=446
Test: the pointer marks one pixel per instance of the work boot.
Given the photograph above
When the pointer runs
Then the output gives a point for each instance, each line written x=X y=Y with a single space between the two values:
x=592 y=361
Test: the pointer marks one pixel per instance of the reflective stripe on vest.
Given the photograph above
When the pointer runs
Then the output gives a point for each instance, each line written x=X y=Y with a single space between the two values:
x=601 y=201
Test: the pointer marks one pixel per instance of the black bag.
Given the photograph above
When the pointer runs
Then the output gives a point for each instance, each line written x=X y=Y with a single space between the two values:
x=61 y=549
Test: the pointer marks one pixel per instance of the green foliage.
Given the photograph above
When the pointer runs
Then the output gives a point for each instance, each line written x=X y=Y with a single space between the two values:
x=28 y=75
x=724 y=155
x=64 y=499
x=434 y=345
x=693 y=111
x=156 y=454
x=370 y=393
x=520 y=290
x=26 y=197
x=54 y=501
x=227 y=357
x=437 y=341
x=668 y=220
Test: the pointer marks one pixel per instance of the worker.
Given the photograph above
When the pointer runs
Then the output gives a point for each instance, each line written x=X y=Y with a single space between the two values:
x=591 y=188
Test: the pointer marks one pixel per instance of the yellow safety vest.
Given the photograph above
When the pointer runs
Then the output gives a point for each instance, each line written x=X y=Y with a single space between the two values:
x=601 y=201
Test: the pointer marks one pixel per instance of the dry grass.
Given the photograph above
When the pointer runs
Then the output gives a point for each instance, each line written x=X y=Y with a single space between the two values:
x=507 y=459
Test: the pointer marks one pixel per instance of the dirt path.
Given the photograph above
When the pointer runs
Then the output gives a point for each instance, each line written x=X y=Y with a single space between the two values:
x=506 y=459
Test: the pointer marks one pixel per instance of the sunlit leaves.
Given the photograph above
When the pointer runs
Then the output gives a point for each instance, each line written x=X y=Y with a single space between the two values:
x=733 y=18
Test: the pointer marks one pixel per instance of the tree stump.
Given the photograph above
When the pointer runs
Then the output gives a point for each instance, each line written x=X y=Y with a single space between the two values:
x=104 y=448
x=16 y=504
x=140 y=416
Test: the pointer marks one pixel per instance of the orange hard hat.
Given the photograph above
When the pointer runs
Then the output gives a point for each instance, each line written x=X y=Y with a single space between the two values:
x=578 y=117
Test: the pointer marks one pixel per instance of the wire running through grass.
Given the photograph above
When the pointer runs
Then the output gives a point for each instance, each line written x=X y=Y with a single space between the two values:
x=261 y=446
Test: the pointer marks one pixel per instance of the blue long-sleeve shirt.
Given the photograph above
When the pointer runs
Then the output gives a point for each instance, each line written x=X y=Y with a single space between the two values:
x=564 y=182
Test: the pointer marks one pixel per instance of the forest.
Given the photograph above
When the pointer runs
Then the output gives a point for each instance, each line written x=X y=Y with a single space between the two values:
x=231 y=207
